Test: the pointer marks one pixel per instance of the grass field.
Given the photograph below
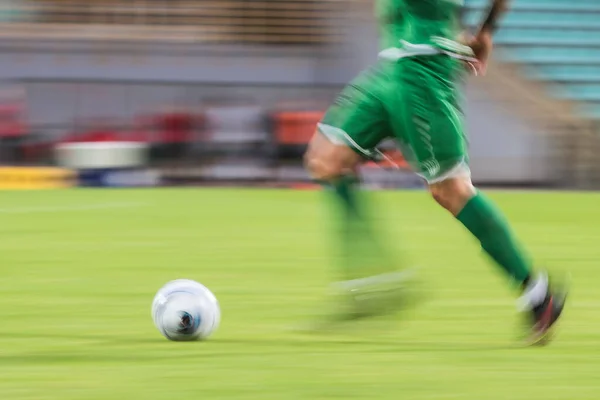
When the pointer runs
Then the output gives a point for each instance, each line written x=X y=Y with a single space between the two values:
x=79 y=269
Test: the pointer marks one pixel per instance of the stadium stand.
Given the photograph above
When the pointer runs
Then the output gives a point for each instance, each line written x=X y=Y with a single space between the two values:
x=300 y=22
x=554 y=42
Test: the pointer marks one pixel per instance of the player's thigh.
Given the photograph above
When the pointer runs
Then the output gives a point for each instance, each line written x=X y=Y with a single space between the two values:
x=357 y=118
x=429 y=124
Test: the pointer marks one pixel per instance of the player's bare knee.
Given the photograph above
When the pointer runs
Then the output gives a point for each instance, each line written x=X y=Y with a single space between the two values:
x=452 y=193
x=308 y=160
x=326 y=161
x=319 y=165
x=312 y=162
x=323 y=169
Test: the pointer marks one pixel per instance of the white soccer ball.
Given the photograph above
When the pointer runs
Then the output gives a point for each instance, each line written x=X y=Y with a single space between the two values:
x=185 y=310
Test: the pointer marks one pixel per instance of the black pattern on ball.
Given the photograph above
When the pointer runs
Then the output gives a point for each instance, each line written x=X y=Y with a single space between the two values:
x=186 y=324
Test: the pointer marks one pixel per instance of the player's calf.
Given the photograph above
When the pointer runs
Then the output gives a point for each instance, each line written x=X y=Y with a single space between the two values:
x=480 y=216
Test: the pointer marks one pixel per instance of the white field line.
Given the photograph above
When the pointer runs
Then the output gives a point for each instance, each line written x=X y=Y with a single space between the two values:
x=70 y=208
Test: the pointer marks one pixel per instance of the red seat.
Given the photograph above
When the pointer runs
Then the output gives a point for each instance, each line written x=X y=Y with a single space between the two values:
x=296 y=128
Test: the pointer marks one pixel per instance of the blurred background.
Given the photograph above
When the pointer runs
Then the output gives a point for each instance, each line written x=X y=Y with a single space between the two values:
x=182 y=92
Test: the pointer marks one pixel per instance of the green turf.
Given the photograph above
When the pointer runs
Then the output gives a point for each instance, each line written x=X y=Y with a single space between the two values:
x=79 y=268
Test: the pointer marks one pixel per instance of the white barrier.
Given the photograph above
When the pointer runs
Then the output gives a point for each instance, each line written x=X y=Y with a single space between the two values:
x=99 y=155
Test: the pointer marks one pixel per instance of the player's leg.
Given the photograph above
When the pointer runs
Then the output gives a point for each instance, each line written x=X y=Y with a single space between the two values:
x=348 y=134
x=434 y=131
x=335 y=167
x=456 y=193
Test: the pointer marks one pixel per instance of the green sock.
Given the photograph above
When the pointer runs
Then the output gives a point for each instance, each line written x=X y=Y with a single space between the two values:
x=346 y=193
x=361 y=253
x=488 y=225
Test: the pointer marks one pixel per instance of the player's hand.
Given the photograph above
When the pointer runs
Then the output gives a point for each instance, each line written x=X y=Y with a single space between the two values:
x=482 y=46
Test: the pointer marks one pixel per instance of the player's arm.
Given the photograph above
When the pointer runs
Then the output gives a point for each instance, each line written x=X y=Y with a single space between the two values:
x=482 y=43
x=496 y=11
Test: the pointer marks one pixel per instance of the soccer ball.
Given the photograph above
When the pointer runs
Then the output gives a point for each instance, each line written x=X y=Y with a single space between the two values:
x=185 y=310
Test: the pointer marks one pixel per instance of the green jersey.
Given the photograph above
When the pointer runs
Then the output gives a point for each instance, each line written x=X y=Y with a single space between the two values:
x=422 y=25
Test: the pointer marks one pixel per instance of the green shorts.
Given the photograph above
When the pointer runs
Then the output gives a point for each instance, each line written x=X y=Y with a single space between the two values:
x=414 y=100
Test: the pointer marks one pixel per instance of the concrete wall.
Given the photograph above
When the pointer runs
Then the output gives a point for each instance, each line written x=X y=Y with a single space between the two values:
x=173 y=63
x=61 y=103
x=503 y=147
